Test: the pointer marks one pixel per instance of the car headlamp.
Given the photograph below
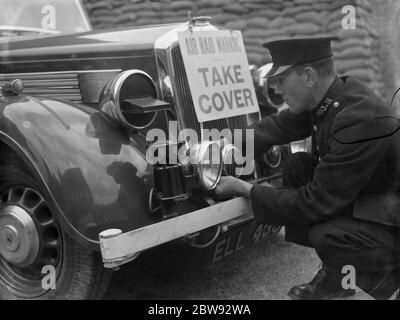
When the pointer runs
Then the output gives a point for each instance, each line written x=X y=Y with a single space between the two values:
x=232 y=160
x=207 y=158
x=130 y=100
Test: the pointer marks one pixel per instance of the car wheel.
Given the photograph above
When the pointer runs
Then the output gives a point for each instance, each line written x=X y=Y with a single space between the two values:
x=38 y=260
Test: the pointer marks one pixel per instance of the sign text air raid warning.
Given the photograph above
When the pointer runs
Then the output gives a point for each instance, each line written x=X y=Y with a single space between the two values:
x=218 y=74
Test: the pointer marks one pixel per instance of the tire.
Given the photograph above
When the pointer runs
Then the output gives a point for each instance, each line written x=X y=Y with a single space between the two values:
x=78 y=271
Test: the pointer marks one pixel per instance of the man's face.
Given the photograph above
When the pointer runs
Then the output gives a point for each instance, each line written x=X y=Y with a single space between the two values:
x=292 y=87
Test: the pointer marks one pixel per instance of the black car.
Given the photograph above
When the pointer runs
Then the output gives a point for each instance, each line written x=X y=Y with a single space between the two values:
x=79 y=195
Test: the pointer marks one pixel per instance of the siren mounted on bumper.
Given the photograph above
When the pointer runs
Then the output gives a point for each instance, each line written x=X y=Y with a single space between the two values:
x=130 y=99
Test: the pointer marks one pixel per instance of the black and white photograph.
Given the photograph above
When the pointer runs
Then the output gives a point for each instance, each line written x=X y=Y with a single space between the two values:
x=201 y=157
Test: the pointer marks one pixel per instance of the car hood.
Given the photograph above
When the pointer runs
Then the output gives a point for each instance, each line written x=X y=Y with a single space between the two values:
x=138 y=38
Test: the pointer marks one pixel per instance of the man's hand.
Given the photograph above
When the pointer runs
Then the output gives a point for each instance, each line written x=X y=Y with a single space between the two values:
x=230 y=186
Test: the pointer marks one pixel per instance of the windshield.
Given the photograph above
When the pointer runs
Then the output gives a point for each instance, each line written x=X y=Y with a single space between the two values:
x=21 y=17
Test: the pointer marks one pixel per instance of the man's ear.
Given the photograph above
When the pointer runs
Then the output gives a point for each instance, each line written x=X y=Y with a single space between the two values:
x=310 y=76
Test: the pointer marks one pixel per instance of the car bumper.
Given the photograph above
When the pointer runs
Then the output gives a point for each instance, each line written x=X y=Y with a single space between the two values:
x=118 y=248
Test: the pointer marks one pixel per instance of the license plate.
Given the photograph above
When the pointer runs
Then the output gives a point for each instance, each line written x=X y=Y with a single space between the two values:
x=239 y=238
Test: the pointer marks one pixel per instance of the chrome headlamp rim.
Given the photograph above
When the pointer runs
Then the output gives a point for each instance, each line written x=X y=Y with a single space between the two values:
x=112 y=95
x=232 y=160
x=200 y=149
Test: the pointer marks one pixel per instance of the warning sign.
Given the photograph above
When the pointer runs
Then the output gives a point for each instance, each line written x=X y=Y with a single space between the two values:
x=218 y=74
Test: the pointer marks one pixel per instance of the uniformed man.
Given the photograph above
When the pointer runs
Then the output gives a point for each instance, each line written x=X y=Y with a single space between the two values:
x=342 y=199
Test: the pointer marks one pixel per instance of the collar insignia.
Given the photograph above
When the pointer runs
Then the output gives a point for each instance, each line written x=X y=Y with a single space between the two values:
x=323 y=107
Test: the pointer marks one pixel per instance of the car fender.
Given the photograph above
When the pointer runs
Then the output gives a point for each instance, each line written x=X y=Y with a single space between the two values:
x=94 y=175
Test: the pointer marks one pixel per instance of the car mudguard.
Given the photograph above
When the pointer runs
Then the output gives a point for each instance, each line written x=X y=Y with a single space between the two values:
x=94 y=175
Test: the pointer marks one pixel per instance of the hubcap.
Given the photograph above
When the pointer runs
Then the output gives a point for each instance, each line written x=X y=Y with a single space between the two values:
x=19 y=239
x=30 y=238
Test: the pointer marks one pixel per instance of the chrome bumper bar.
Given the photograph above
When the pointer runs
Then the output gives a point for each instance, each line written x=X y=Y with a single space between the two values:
x=118 y=248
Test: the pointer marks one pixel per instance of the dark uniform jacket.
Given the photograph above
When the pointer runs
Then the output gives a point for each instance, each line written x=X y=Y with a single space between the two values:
x=356 y=141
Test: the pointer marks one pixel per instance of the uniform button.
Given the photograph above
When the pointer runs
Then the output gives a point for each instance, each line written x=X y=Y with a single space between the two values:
x=336 y=104
x=315 y=127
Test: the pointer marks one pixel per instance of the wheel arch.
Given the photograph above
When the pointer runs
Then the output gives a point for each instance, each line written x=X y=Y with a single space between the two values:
x=9 y=145
x=95 y=174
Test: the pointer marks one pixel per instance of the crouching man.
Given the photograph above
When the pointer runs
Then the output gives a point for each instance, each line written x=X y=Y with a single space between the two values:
x=343 y=199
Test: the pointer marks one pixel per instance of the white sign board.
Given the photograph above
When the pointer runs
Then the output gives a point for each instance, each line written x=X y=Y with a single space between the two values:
x=218 y=74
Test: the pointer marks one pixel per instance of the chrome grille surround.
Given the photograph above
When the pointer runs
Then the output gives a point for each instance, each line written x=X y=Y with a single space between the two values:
x=168 y=57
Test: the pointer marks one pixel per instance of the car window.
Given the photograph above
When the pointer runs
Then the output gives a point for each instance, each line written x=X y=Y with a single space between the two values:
x=21 y=17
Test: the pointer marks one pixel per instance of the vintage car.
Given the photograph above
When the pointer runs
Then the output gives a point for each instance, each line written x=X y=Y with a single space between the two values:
x=78 y=194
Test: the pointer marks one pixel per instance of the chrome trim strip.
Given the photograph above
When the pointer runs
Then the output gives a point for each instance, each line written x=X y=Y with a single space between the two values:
x=58 y=72
x=66 y=85
x=30 y=29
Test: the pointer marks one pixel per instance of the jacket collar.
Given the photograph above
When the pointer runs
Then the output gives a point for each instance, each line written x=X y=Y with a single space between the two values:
x=324 y=105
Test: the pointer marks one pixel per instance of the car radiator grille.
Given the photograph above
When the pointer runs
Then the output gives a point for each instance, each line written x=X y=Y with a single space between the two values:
x=186 y=102
x=60 y=85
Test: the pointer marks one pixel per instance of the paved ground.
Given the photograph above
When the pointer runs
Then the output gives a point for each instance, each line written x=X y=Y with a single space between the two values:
x=266 y=270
